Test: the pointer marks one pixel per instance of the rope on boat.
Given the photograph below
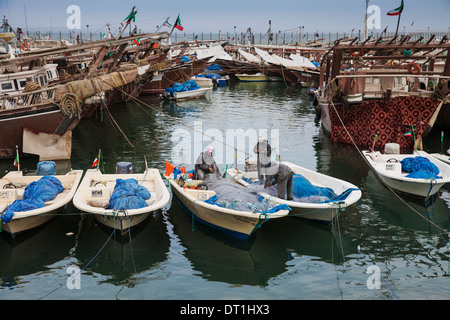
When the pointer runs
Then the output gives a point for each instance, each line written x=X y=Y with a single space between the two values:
x=70 y=106
x=95 y=256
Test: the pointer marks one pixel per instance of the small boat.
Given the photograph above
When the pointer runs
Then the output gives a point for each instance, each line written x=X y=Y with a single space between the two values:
x=391 y=170
x=188 y=95
x=443 y=157
x=199 y=204
x=313 y=208
x=96 y=190
x=13 y=186
x=258 y=77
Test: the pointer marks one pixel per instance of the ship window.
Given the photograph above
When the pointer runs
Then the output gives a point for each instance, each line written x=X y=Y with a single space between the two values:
x=41 y=81
x=7 y=86
x=375 y=80
x=22 y=83
x=368 y=80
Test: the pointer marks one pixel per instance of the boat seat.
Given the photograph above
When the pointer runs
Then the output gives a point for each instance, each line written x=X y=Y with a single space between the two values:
x=8 y=195
x=200 y=194
x=390 y=167
x=97 y=193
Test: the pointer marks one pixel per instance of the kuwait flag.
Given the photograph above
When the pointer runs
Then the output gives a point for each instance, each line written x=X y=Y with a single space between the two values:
x=178 y=24
x=408 y=134
x=166 y=23
x=95 y=163
x=397 y=11
x=137 y=41
x=16 y=161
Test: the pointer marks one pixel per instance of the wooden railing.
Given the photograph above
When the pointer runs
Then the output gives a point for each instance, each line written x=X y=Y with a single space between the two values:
x=28 y=99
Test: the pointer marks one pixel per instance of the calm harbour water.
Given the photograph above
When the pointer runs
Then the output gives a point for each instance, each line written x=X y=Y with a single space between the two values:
x=171 y=258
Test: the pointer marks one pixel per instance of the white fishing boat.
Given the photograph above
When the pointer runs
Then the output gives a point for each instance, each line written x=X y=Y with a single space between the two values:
x=188 y=95
x=13 y=186
x=389 y=169
x=312 y=209
x=95 y=191
x=258 y=77
x=443 y=157
x=238 y=224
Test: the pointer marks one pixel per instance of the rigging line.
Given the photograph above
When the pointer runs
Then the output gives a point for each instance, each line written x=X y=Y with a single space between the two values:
x=95 y=256
x=376 y=174
x=175 y=119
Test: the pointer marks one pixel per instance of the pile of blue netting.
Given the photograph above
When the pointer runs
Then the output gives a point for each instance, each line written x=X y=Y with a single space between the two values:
x=128 y=194
x=420 y=168
x=184 y=59
x=178 y=87
x=213 y=76
x=233 y=196
x=35 y=196
x=214 y=67
x=304 y=191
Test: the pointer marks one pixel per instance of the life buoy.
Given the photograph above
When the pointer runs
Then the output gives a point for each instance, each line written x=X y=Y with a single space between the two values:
x=414 y=68
x=25 y=46
x=356 y=52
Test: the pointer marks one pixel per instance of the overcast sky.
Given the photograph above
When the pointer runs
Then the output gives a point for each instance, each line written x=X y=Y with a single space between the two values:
x=213 y=15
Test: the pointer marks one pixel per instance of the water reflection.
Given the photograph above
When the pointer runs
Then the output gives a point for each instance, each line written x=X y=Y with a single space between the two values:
x=122 y=258
x=216 y=257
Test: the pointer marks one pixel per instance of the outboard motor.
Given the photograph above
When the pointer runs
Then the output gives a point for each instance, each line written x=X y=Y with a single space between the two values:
x=124 y=168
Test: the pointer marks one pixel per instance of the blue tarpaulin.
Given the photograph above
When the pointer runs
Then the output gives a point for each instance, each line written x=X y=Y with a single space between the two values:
x=214 y=67
x=420 y=168
x=181 y=87
x=303 y=188
x=34 y=196
x=128 y=194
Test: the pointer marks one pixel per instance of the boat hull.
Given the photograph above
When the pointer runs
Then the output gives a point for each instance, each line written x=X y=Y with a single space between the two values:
x=27 y=220
x=320 y=212
x=96 y=189
x=252 y=78
x=398 y=181
x=230 y=222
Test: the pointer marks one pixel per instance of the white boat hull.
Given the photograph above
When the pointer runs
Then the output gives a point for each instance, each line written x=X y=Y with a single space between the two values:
x=389 y=171
x=321 y=212
x=190 y=95
x=238 y=224
x=96 y=189
x=27 y=220
x=443 y=157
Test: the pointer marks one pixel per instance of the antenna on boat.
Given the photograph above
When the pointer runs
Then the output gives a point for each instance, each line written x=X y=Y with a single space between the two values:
x=146 y=165
x=17 y=161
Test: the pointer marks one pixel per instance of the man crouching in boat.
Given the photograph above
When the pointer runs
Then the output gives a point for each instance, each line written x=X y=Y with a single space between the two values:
x=282 y=178
x=206 y=164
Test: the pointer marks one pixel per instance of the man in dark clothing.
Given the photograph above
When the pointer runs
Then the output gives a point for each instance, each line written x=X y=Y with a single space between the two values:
x=283 y=179
x=263 y=153
x=206 y=164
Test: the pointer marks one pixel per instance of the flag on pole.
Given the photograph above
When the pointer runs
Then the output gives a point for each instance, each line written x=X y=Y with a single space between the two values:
x=97 y=159
x=396 y=11
x=196 y=37
x=16 y=161
x=137 y=41
x=409 y=134
x=95 y=163
x=178 y=24
x=131 y=16
x=166 y=23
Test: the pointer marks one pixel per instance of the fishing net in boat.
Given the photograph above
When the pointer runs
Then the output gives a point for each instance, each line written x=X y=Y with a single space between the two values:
x=34 y=196
x=234 y=196
x=420 y=168
x=128 y=194
x=304 y=191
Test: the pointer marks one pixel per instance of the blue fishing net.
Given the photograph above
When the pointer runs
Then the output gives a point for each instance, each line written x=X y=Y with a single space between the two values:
x=182 y=87
x=128 y=194
x=34 y=196
x=420 y=168
x=304 y=191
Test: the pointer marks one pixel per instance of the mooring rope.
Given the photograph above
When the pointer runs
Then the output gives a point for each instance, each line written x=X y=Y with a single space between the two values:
x=379 y=178
x=93 y=258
